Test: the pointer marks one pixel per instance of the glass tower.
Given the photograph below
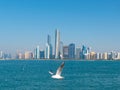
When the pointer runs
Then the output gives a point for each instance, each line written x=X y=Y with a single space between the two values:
x=48 y=51
x=71 y=51
x=57 y=44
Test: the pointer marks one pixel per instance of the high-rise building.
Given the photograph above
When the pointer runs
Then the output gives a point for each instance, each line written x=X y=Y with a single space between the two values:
x=71 y=51
x=48 y=39
x=85 y=52
x=57 y=44
x=37 y=53
x=78 y=50
x=61 y=50
x=113 y=56
x=1 y=55
x=93 y=56
x=101 y=56
x=42 y=54
x=105 y=56
x=48 y=50
x=97 y=56
x=118 y=55
x=65 y=52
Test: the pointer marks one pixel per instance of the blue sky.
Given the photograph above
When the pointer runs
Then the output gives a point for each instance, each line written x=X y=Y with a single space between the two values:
x=24 y=24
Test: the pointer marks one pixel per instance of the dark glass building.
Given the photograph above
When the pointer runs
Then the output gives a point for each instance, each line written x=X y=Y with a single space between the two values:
x=71 y=51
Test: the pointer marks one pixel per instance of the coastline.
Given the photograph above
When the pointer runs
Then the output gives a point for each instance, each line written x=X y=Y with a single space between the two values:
x=54 y=60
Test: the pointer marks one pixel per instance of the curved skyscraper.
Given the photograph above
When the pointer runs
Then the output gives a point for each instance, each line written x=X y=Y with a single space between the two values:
x=57 y=44
x=48 y=51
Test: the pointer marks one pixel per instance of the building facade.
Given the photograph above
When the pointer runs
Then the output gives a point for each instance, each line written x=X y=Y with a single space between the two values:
x=57 y=44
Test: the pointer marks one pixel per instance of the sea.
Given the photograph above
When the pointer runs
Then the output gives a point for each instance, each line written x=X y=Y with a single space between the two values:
x=78 y=75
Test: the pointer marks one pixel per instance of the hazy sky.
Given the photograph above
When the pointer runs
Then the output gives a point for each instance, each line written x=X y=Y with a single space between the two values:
x=24 y=24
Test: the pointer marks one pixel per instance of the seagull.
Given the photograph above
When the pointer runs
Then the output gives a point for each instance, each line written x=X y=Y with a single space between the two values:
x=58 y=73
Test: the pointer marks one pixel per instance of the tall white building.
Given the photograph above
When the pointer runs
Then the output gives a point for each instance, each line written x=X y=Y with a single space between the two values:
x=118 y=55
x=37 y=53
x=57 y=44
x=61 y=50
x=1 y=55
x=105 y=56
x=48 y=50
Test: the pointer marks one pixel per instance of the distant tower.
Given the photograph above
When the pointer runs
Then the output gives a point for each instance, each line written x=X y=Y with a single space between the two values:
x=71 y=51
x=61 y=50
x=37 y=53
x=48 y=39
x=57 y=44
x=65 y=52
x=48 y=50
x=84 y=54
x=78 y=50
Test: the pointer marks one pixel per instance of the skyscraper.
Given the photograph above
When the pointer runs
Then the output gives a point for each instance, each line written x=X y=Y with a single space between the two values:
x=37 y=53
x=93 y=56
x=61 y=50
x=84 y=53
x=71 y=51
x=42 y=54
x=1 y=55
x=78 y=50
x=57 y=44
x=48 y=50
x=105 y=56
x=65 y=52
x=48 y=39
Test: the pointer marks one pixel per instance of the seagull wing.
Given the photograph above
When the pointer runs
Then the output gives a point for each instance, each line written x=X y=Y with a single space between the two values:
x=59 y=70
x=51 y=73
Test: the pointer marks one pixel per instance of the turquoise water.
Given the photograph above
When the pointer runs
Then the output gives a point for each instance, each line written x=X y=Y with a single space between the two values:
x=78 y=75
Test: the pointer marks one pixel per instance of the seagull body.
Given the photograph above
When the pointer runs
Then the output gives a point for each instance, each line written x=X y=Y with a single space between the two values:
x=58 y=73
x=57 y=77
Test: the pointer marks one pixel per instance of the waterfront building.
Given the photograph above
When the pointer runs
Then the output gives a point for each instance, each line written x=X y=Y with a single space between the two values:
x=109 y=56
x=71 y=51
x=65 y=52
x=57 y=44
x=105 y=56
x=118 y=55
x=97 y=56
x=1 y=54
x=21 y=56
x=61 y=50
x=84 y=54
x=93 y=56
x=48 y=50
x=37 y=53
x=28 y=55
x=42 y=54
x=101 y=56
x=78 y=50
x=113 y=55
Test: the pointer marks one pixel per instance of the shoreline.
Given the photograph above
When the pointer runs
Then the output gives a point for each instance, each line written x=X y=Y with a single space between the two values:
x=53 y=60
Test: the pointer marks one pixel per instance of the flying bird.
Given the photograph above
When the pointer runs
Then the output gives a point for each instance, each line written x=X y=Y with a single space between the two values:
x=58 y=72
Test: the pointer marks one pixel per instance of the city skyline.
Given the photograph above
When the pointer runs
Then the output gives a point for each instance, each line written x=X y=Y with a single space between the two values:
x=25 y=24
x=61 y=51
